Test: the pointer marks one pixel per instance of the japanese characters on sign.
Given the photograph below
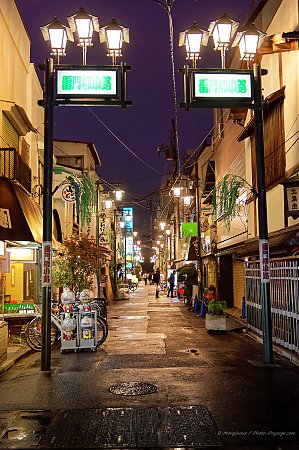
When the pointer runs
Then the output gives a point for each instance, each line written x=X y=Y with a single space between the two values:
x=223 y=85
x=47 y=264
x=103 y=235
x=68 y=194
x=265 y=261
x=77 y=83
x=293 y=200
x=5 y=221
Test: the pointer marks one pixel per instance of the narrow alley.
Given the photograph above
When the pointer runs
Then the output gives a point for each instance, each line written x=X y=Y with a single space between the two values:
x=159 y=381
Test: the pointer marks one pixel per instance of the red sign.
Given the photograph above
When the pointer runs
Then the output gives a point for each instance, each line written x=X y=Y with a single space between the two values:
x=265 y=261
x=47 y=264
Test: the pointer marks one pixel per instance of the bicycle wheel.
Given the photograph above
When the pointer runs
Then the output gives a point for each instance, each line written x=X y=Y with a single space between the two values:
x=133 y=286
x=102 y=330
x=33 y=334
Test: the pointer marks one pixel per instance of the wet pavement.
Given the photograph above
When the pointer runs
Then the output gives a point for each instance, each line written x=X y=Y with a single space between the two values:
x=209 y=390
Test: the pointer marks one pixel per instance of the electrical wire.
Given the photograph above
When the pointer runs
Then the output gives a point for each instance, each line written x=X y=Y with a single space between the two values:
x=121 y=142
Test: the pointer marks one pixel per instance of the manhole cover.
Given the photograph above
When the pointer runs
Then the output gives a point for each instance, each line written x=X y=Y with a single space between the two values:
x=133 y=388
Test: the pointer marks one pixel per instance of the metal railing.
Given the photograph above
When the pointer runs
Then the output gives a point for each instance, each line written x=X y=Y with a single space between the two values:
x=284 y=295
x=12 y=166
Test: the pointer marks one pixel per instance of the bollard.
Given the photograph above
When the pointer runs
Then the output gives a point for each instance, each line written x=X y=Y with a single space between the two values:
x=196 y=304
x=243 y=313
x=203 y=309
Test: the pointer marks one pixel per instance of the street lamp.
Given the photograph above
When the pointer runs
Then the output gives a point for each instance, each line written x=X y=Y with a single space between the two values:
x=162 y=225
x=118 y=194
x=58 y=35
x=193 y=39
x=249 y=41
x=223 y=30
x=114 y=35
x=108 y=204
x=177 y=191
x=84 y=25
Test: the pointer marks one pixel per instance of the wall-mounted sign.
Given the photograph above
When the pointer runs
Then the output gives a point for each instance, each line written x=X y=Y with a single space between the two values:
x=47 y=264
x=86 y=82
x=68 y=194
x=264 y=261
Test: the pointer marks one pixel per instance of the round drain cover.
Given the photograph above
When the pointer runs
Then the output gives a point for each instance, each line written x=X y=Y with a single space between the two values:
x=133 y=388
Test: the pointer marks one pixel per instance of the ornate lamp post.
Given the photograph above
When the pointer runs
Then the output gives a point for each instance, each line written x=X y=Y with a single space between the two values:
x=223 y=31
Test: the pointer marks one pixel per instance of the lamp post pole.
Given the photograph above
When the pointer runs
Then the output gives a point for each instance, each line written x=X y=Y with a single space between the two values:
x=98 y=273
x=47 y=213
x=262 y=215
x=199 y=266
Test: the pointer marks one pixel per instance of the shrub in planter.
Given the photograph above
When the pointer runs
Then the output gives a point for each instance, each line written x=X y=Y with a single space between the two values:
x=216 y=307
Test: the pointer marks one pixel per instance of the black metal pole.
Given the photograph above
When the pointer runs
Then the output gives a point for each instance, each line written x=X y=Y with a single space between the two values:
x=47 y=211
x=125 y=230
x=98 y=243
x=115 y=260
x=262 y=216
x=199 y=264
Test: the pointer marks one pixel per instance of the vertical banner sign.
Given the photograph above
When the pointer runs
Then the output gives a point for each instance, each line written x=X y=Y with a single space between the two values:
x=47 y=264
x=265 y=261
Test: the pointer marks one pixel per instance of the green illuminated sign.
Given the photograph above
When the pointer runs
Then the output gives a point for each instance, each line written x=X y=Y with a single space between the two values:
x=79 y=83
x=222 y=85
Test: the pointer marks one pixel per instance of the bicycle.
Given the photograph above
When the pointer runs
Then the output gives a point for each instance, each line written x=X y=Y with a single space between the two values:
x=33 y=331
x=133 y=286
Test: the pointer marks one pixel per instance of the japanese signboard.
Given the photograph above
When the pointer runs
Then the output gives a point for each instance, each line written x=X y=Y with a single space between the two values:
x=293 y=200
x=87 y=82
x=68 y=194
x=103 y=228
x=47 y=264
x=265 y=261
x=222 y=85
x=5 y=221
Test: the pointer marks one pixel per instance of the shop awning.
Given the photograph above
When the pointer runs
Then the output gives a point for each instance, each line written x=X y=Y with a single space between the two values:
x=20 y=216
x=279 y=241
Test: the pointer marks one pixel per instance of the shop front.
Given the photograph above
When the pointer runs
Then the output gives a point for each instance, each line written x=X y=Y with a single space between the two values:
x=20 y=243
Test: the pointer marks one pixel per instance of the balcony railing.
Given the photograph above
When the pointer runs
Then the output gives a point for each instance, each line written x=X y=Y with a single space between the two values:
x=12 y=166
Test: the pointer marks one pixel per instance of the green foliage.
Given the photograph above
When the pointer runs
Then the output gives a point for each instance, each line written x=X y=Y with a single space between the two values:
x=216 y=307
x=137 y=270
x=76 y=263
x=85 y=193
x=225 y=197
x=188 y=274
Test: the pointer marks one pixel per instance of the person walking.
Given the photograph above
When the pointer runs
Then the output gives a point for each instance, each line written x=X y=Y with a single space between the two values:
x=156 y=280
x=145 y=278
x=150 y=278
x=171 y=281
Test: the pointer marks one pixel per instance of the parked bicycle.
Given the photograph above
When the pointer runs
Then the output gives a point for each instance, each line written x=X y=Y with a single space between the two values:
x=133 y=285
x=33 y=331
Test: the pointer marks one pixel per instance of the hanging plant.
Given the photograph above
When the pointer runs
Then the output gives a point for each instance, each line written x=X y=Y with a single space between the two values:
x=85 y=193
x=226 y=197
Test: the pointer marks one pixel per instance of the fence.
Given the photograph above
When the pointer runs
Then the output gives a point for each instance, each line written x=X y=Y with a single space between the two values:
x=284 y=295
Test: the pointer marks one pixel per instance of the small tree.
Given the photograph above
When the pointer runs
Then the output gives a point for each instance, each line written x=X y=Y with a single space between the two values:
x=188 y=275
x=76 y=263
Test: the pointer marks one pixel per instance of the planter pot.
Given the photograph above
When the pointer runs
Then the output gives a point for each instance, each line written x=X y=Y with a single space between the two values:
x=216 y=323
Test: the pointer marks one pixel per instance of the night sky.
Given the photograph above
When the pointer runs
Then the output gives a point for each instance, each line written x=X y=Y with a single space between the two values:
x=146 y=124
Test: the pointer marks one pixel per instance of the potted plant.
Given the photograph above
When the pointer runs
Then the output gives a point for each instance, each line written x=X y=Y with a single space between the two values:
x=216 y=319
